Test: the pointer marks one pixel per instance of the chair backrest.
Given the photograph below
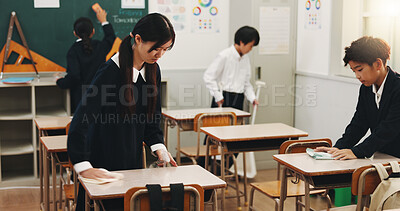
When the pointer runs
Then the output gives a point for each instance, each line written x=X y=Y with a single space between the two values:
x=365 y=179
x=138 y=198
x=364 y=182
x=67 y=128
x=213 y=120
x=299 y=146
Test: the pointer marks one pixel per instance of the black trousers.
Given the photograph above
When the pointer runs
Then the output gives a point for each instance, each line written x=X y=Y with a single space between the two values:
x=231 y=99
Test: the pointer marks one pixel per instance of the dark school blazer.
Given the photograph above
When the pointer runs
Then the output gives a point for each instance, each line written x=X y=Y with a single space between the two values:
x=384 y=122
x=100 y=134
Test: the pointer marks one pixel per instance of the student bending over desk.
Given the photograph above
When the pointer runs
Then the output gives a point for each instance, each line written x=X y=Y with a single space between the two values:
x=378 y=107
x=122 y=107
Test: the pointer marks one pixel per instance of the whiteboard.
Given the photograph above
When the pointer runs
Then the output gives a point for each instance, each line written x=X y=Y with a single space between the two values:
x=201 y=29
x=313 y=36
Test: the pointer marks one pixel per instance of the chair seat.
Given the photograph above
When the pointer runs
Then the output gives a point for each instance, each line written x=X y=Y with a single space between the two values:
x=69 y=191
x=192 y=151
x=273 y=188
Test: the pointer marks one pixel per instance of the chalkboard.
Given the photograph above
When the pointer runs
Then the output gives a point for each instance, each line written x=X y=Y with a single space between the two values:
x=49 y=31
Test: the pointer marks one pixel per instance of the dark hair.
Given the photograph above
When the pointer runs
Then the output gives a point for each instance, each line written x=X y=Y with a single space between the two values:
x=83 y=27
x=153 y=27
x=247 y=34
x=366 y=50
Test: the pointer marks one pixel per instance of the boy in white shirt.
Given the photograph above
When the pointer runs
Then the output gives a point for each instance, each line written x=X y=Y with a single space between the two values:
x=231 y=69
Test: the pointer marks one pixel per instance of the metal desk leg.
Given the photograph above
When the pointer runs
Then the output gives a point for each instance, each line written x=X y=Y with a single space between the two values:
x=166 y=132
x=215 y=200
x=283 y=189
x=245 y=179
x=41 y=171
x=87 y=201
x=178 y=145
x=54 y=175
x=306 y=193
x=96 y=205
x=207 y=152
x=46 y=179
x=223 y=175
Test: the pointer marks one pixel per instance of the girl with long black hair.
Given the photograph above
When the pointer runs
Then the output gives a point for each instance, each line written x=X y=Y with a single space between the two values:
x=122 y=107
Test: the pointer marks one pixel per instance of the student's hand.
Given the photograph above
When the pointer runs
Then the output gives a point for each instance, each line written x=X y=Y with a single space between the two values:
x=255 y=102
x=95 y=173
x=343 y=154
x=326 y=149
x=165 y=157
x=101 y=16
x=219 y=103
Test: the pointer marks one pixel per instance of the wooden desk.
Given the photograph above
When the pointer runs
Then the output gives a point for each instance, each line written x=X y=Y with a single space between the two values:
x=51 y=145
x=183 y=118
x=192 y=174
x=322 y=174
x=249 y=138
x=44 y=124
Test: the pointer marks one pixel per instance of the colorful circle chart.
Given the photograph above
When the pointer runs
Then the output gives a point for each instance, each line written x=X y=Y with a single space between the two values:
x=213 y=11
x=205 y=3
x=308 y=5
x=318 y=4
x=196 y=11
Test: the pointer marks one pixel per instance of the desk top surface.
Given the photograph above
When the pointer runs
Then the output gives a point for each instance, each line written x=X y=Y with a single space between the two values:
x=309 y=166
x=253 y=132
x=189 y=114
x=192 y=174
x=52 y=123
x=55 y=143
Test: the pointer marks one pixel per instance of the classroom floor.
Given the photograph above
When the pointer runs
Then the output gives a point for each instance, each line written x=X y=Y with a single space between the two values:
x=19 y=199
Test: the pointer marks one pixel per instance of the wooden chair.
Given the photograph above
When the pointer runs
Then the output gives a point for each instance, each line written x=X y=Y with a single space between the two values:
x=364 y=182
x=215 y=119
x=272 y=189
x=138 y=198
x=207 y=120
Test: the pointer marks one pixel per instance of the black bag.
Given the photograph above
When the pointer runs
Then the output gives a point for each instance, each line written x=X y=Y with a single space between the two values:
x=177 y=197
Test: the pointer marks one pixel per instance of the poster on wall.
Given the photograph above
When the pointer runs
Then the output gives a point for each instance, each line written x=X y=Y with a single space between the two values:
x=193 y=16
x=174 y=10
x=46 y=4
x=312 y=19
x=274 y=30
x=132 y=4
x=205 y=17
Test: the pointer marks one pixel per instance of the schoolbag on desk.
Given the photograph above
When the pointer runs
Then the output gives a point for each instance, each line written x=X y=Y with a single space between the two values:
x=387 y=194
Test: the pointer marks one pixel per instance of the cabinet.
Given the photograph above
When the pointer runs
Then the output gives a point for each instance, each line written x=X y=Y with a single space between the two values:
x=19 y=105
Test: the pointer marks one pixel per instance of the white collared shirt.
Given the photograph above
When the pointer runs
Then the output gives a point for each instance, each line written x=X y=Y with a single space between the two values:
x=230 y=71
x=85 y=165
x=378 y=93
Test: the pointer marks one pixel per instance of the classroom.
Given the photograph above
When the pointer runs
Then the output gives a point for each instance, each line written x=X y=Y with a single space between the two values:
x=199 y=105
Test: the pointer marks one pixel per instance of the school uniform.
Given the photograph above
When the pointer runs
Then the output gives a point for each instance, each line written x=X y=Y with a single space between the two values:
x=379 y=111
x=100 y=136
x=232 y=72
x=81 y=67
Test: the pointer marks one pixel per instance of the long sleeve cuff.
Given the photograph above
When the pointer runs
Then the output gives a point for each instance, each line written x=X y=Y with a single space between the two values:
x=104 y=23
x=82 y=166
x=218 y=96
x=156 y=147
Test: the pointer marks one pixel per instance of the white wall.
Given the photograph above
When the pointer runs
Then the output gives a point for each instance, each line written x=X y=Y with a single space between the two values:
x=324 y=104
